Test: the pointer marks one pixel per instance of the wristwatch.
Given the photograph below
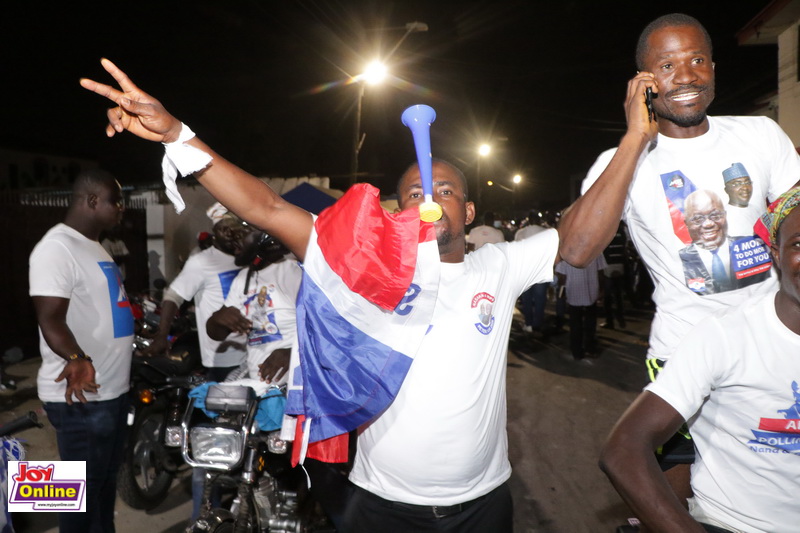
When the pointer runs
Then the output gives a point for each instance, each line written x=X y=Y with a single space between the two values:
x=79 y=355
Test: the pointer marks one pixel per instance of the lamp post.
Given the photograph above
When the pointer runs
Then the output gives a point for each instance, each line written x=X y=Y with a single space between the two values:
x=483 y=151
x=374 y=74
x=516 y=180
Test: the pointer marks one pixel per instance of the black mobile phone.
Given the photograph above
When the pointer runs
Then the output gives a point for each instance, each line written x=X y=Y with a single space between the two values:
x=648 y=100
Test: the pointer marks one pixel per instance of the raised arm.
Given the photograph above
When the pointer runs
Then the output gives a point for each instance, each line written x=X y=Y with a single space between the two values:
x=244 y=194
x=629 y=461
x=591 y=222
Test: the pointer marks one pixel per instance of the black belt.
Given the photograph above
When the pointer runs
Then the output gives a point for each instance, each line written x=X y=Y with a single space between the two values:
x=438 y=511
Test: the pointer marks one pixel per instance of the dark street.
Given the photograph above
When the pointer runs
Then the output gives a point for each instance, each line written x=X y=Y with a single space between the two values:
x=559 y=413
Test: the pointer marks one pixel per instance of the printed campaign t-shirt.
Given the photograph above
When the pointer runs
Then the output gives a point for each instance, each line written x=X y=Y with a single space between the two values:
x=207 y=277
x=690 y=283
x=66 y=264
x=741 y=371
x=269 y=300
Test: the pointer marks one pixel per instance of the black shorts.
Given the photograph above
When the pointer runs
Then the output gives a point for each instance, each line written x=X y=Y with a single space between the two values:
x=679 y=449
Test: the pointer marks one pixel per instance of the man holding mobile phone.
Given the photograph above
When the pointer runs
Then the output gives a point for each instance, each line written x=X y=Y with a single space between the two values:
x=648 y=178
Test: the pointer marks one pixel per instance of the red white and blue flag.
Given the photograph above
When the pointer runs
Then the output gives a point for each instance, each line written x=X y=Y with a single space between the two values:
x=369 y=290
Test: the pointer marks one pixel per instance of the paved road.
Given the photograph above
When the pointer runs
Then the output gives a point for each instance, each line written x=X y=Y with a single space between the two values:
x=559 y=413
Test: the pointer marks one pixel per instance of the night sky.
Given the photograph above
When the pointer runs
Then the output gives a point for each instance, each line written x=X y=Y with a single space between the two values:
x=264 y=82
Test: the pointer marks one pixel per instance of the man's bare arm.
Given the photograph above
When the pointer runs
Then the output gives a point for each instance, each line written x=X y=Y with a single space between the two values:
x=244 y=194
x=51 y=313
x=629 y=461
x=591 y=222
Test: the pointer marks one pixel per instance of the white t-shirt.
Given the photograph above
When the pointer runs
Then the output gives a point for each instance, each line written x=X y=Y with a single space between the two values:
x=116 y=248
x=66 y=264
x=741 y=371
x=663 y=177
x=481 y=235
x=207 y=277
x=270 y=303
x=443 y=440
x=528 y=231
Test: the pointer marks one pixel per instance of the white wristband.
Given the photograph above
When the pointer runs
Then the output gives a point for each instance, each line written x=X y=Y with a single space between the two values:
x=180 y=157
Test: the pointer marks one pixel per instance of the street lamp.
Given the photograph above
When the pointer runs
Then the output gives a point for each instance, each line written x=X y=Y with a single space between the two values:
x=516 y=180
x=374 y=74
x=483 y=151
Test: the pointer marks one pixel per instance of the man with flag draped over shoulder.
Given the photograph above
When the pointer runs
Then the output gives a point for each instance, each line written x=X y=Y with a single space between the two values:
x=401 y=335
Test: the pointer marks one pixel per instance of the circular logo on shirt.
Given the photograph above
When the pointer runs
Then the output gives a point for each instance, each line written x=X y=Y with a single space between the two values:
x=484 y=303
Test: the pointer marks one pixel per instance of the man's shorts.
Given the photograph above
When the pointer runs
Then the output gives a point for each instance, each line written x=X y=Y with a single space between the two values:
x=679 y=449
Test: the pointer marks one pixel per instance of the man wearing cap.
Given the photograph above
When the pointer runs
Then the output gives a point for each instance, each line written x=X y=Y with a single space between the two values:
x=738 y=185
x=207 y=277
x=734 y=380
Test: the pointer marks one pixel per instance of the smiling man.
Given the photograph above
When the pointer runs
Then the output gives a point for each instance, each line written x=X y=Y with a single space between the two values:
x=648 y=179
x=734 y=379
x=713 y=256
x=738 y=185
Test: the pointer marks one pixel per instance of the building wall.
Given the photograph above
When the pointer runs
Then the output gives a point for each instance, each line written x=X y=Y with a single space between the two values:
x=23 y=170
x=172 y=237
x=788 y=86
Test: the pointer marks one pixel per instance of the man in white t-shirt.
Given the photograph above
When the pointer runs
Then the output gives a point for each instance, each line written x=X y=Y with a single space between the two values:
x=206 y=277
x=487 y=233
x=261 y=305
x=659 y=162
x=734 y=379
x=437 y=457
x=86 y=338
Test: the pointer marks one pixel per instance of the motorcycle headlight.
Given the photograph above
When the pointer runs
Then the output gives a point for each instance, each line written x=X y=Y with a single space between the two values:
x=216 y=445
x=172 y=436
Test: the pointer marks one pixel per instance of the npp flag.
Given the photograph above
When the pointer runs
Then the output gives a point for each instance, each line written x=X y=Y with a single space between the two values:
x=370 y=281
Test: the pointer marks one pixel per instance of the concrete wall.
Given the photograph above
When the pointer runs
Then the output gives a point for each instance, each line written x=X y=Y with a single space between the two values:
x=788 y=86
x=172 y=237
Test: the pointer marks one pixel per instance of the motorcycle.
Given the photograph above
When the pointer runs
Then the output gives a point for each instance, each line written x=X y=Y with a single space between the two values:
x=159 y=389
x=268 y=495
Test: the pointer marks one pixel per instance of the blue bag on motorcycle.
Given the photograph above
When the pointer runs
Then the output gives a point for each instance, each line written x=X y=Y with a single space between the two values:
x=212 y=398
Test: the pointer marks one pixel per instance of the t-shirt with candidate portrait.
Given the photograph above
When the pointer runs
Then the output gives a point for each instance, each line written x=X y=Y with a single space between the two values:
x=667 y=173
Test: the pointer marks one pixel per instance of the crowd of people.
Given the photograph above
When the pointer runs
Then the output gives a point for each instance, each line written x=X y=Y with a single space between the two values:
x=733 y=401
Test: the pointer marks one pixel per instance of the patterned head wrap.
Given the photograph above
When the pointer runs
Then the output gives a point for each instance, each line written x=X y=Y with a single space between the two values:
x=770 y=222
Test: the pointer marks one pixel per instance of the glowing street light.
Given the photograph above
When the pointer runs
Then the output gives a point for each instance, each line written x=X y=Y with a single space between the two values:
x=484 y=150
x=374 y=74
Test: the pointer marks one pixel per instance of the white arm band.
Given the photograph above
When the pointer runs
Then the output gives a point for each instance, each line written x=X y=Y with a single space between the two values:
x=180 y=157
